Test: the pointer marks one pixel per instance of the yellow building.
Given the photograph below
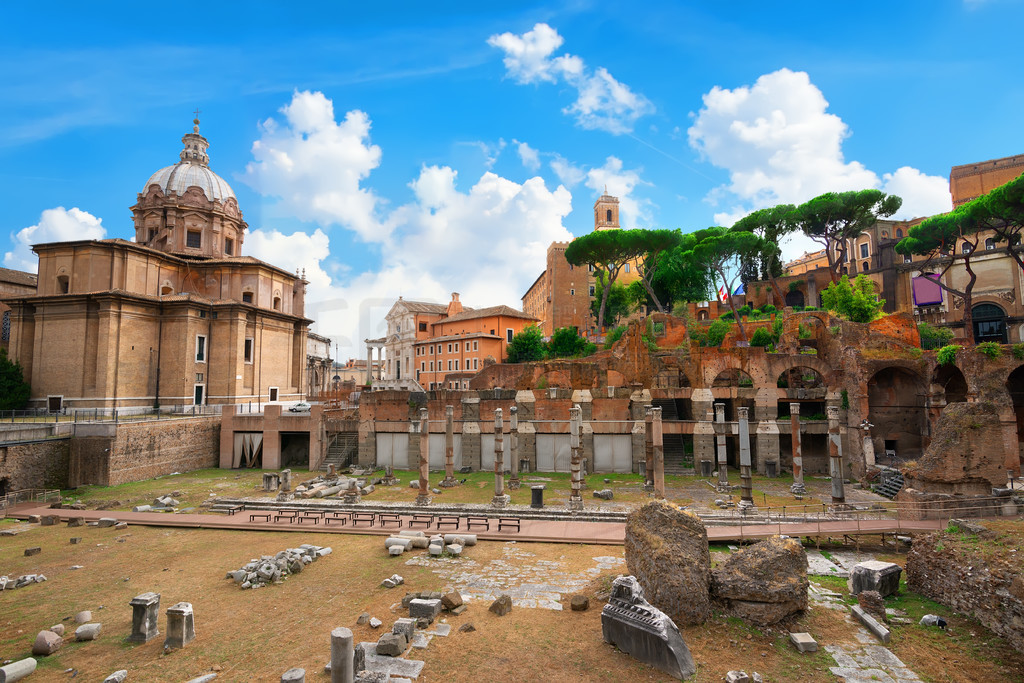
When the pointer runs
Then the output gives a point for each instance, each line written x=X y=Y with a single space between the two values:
x=178 y=317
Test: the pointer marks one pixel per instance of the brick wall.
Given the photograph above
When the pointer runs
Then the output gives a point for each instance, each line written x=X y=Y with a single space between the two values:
x=35 y=464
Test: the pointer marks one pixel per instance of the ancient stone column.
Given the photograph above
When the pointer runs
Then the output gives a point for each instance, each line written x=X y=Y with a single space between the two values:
x=181 y=625
x=369 y=365
x=423 y=498
x=835 y=456
x=723 y=460
x=449 y=447
x=15 y=671
x=746 y=485
x=513 y=449
x=658 y=449
x=145 y=610
x=286 y=481
x=797 y=487
x=342 y=656
x=869 y=445
x=649 y=447
x=576 y=450
x=501 y=499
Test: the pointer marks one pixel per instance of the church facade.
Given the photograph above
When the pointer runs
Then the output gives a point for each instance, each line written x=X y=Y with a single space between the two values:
x=177 y=317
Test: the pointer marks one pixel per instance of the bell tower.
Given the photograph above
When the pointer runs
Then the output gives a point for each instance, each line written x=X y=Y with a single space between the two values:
x=606 y=212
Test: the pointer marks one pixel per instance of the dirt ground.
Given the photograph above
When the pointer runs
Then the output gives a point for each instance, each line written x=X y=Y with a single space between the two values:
x=256 y=635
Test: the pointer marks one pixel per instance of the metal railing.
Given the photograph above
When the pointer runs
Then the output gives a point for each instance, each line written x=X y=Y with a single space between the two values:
x=27 y=496
x=124 y=414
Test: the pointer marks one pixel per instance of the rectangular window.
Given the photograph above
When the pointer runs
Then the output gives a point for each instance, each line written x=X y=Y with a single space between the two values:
x=423 y=327
x=423 y=366
x=229 y=246
x=152 y=234
x=199 y=377
x=508 y=333
x=627 y=267
x=246 y=297
x=590 y=267
x=456 y=365
x=248 y=349
x=200 y=348
x=572 y=292
x=475 y=366
x=194 y=239
x=475 y=345
x=449 y=366
x=449 y=347
x=273 y=393
x=431 y=366
x=863 y=251
x=592 y=290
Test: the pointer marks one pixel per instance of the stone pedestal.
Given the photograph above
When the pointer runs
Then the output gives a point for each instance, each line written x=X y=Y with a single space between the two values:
x=145 y=610
x=449 y=448
x=874 y=575
x=342 y=656
x=181 y=626
x=271 y=481
x=286 y=481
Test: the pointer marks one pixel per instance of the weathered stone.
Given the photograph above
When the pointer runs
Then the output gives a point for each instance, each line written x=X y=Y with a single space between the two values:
x=451 y=600
x=667 y=551
x=181 y=628
x=871 y=602
x=424 y=608
x=58 y=629
x=501 y=606
x=49 y=520
x=83 y=617
x=604 y=494
x=375 y=622
x=391 y=645
x=392 y=541
x=29 y=552
x=639 y=629
x=117 y=677
x=76 y=521
x=88 y=631
x=461 y=539
x=405 y=626
x=454 y=549
x=436 y=550
x=579 y=603
x=343 y=656
x=932 y=620
x=47 y=642
x=142 y=508
x=879 y=631
x=763 y=583
x=874 y=575
x=121 y=525
x=737 y=677
x=76 y=540
x=363 y=619
x=106 y=522
x=456 y=611
x=803 y=642
x=396 y=550
x=467 y=627
x=205 y=678
x=294 y=675
x=145 y=610
x=15 y=671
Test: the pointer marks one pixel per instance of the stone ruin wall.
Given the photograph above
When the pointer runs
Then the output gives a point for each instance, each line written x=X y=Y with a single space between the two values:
x=34 y=464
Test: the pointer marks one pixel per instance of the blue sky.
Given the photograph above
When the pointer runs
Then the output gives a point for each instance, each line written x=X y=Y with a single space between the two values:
x=441 y=147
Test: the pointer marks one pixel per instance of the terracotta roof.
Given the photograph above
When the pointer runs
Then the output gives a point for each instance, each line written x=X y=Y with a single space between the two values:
x=456 y=337
x=18 y=277
x=422 y=306
x=470 y=314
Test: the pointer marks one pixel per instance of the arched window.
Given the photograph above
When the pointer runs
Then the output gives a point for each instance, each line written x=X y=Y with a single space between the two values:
x=865 y=268
x=62 y=284
x=277 y=303
x=899 y=233
x=989 y=323
x=702 y=315
x=990 y=244
x=609 y=214
x=965 y=247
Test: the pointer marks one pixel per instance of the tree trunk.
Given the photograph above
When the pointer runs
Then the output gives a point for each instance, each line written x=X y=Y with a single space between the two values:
x=732 y=307
x=778 y=292
x=654 y=297
x=968 y=317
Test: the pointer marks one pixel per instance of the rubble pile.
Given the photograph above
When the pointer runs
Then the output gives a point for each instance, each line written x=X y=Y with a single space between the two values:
x=275 y=568
x=9 y=584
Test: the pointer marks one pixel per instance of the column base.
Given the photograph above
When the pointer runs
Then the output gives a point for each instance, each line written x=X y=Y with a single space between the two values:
x=422 y=499
x=449 y=482
x=513 y=484
x=724 y=488
x=649 y=486
x=501 y=501
x=352 y=499
x=746 y=505
x=798 y=489
x=575 y=504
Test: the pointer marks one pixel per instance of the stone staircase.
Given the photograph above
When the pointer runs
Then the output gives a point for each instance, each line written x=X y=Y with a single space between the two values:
x=677 y=460
x=891 y=483
x=341 y=451
x=668 y=408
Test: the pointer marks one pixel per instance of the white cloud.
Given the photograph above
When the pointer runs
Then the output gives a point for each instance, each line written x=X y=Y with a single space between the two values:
x=298 y=251
x=55 y=225
x=618 y=182
x=780 y=145
x=568 y=173
x=602 y=102
x=528 y=155
x=315 y=165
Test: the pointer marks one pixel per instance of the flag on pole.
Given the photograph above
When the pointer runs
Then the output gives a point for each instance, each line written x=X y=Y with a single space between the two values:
x=722 y=295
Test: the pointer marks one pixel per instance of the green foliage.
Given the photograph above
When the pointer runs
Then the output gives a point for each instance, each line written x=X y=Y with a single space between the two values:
x=835 y=330
x=933 y=337
x=728 y=317
x=768 y=309
x=857 y=302
x=845 y=405
x=648 y=337
x=795 y=285
x=777 y=328
x=804 y=332
x=614 y=336
x=620 y=302
x=762 y=337
x=715 y=333
x=745 y=309
x=947 y=354
x=566 y=342
x=1018 y=351
x=526 y=346
x=14 y=390
x=990 y=349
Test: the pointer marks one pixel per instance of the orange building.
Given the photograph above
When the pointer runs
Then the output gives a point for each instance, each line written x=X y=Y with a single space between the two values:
x=970 y=181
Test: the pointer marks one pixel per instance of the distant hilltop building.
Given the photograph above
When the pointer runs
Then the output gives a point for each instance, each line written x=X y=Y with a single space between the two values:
x=561 y=295
x=177 y=317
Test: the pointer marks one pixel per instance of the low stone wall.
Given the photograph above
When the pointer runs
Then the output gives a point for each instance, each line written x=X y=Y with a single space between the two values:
x=35 y=464
x=975 y=571
x=110 y=454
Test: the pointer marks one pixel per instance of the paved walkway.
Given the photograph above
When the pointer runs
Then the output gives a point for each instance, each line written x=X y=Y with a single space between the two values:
x=545 y=531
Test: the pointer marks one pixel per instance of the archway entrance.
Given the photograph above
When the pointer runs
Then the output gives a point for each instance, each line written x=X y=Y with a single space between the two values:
x=989 y=323
x=953 y=383
x=1015 y=387
x=795 y=298
x=896 y=408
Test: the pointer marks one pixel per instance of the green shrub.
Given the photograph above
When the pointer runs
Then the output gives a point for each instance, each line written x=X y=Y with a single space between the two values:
x=526 y=346
x=745 y=309
x=1018 y=351
x=845 y=405
x=804 y=332
x=855 y=301
x=566 y=342
x=762 y=337
x=728 y=317
x=614 y=336
x=835 y=330
x=934 y=337
x=990 y=349
x=795 y=285
x=947 y=354
x=716 y=333
x=768 y=309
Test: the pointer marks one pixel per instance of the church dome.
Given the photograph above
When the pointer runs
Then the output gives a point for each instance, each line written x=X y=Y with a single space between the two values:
x=192 y=170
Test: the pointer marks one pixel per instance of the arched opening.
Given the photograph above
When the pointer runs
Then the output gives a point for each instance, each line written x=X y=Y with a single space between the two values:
x=795 y=298
x=865 y=267
x=63 y=284
x=277 y=303
x=953 y=383
x=166 y=290
x=1015 y=387
x=733 y=377
x=702 y=315
x=989 y=323
x=896 y=399
x=801 y=378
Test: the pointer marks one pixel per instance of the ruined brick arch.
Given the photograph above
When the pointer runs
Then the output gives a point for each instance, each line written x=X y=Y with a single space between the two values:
x=553 y=379
x=799 y=376
x=1015 y=388
x=897 y=408
x=779 y=368
x=729 y=363
x=952 y=382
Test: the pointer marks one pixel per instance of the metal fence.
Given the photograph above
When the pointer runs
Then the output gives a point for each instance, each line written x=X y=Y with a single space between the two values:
x=42 y=415
x=13 y=498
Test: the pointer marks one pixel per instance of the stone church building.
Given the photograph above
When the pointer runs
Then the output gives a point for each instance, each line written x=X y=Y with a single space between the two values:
x=176 y=317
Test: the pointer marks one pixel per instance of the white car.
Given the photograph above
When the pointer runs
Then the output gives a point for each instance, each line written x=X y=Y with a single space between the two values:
x=300 y=407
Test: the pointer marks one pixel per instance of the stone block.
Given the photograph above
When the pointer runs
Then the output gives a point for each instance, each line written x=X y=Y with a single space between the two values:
x=15 y=671
x=181 y=627
x=406 y=626
x=375 y=622
x=874 y=575
x=420 y=607
x=391 y=645
x=454 y=549
x=76 y=540
x=83 y=617
x=579 y=603
x=763 y=583
x=396 y=550
x=88 y=631
x=436 y=550
x=105 y=522
x=639 y=629
x=467 y=628
x=117 y=677
x=294 y=675
x=145 y=610
x=121 y=525
x=49 y=520
x=737 y=677
x=451 y=600
x=456 y=611
x=501 y=606
x=29 y=552
x=47 y=642
x=879 y=631
x=803 y=642
x=76 y=521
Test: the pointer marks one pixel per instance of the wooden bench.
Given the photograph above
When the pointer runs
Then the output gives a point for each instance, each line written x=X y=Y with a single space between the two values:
x=508 y=523
x=420 y=519
x=473 y=522
x=386 y=518
x=447 y=521
x=313 y=515
x=234 y=508
x=290 y=515
x=363 y=517
x=264 y=515
x=342 y=517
